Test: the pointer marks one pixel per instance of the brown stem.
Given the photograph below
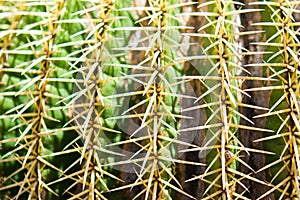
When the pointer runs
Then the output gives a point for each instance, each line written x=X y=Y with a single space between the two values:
x=259 y=98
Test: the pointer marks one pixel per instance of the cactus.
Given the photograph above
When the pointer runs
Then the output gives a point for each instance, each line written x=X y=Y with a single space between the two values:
x=156 y=99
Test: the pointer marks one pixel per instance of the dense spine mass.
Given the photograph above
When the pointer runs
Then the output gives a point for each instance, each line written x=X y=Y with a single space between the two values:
x=157 y=111
x=222 y=94
x=32 y=88
x=283 y=64
x=149 y=99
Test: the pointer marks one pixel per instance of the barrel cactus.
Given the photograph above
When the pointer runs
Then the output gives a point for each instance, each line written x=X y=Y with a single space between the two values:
x=153 y=99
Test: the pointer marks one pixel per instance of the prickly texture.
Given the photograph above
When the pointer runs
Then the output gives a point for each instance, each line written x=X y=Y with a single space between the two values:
x=153 y=99
x=283 y=115
x=258 y=98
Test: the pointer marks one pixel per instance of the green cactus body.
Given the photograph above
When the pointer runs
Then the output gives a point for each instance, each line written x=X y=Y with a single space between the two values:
x=121 y=99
